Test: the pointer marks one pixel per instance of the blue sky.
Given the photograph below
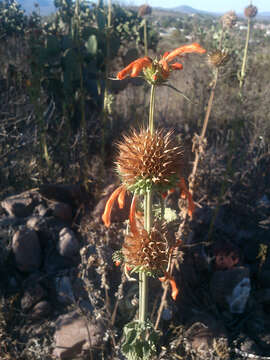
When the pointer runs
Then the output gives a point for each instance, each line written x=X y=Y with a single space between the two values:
x=210 y=5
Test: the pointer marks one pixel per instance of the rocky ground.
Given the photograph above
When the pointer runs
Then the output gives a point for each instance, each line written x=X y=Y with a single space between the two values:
x=62 y=297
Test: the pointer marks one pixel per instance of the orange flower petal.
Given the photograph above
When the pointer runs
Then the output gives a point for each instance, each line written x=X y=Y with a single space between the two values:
x=121 y=198
x=185 y=49
x=165 y=54
x=187 y=194
x=177 y=66
x=132 y=216
x=134 y=68
x=125 y=72
x=117 y=263
x=164 y=65
x=140 y=64
x=106 y=217
x=175 y=290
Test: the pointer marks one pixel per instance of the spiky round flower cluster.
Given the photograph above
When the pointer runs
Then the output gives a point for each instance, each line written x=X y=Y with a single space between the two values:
x=148 y=161
x=229 y=19
x=148 y=252
x=218 y=58
x=144 y=10
x=251 y=11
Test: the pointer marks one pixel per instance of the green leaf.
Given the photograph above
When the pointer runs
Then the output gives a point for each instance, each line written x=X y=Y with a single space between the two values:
x=91 y=45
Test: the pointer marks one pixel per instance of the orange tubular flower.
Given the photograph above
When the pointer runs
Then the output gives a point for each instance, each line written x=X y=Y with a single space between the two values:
x=158 y=71
x=134 y=68
x=119 y=195
x=184 y=50
x=167 y=57
x=106 y=217
x=174 y=288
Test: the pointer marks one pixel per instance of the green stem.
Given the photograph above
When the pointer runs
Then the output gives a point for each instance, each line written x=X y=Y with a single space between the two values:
x=148 y=222
x=243 y=73
x=151 y=110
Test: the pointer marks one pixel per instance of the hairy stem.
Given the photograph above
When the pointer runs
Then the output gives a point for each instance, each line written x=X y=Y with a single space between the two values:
x=148 y=221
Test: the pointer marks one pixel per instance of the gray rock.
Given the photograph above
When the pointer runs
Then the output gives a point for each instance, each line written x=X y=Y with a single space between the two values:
x=27 y=251
x=11 y=221
x=230 y=289
x=41 y=310
x=42 y=210
x=64 y=290
x=20 y=205
x=62 y=211
x=75 y=335
x=68 y=245
x=33 y=222
x=31 y=296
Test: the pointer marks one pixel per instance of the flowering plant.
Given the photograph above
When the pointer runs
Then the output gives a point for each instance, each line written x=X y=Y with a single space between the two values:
x=148 y=161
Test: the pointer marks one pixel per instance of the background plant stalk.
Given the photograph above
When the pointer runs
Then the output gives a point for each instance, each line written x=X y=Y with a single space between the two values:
x=243 y=70
x=202 y=136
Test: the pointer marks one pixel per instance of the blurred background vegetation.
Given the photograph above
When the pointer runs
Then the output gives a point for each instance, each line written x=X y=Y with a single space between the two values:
x=60 y=110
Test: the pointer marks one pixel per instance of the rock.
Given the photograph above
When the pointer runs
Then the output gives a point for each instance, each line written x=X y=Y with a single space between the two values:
x=72 y=194
x=206 y=335
x=47 y=228
x=75 y=335
x=42 y=210
x=230 y=289
x=20 y=205
x=64 y=290
x=55 y=262
x=68 y=245
x=31 y=296
x=11 y=221
x=33 y=222
x=41 y=310
x=27 y=251
x=62 y=211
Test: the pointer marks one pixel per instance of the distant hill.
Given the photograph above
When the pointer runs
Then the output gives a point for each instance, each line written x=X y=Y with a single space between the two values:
x=190 y=10
x=46 y=6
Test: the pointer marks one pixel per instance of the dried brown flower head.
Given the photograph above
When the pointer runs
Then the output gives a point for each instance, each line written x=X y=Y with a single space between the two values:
x=148 y=252
x=251 y=11
x=144 y=10
x=218 y=58
x=229 y=19
x=148 y=160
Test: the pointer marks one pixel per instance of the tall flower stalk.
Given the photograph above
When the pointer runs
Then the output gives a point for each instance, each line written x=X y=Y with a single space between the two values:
x=145 y=10
x=149 y=161
x=216 y=60
x=250 y=12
